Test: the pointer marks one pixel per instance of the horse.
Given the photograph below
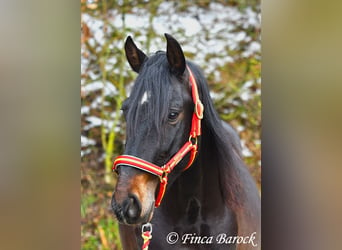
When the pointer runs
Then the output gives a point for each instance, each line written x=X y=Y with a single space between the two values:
x=214 y=203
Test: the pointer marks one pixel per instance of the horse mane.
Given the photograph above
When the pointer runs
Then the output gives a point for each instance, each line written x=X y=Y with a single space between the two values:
x=213 y=130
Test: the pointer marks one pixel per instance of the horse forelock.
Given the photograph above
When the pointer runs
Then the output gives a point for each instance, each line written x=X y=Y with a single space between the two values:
x=150 y=96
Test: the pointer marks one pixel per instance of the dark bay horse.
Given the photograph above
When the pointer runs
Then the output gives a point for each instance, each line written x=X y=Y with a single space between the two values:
x=212 y=205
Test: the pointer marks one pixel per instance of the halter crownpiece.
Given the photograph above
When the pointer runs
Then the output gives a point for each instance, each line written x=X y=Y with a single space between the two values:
x=190 y=146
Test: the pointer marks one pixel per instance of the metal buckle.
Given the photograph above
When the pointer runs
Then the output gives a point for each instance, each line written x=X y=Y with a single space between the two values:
x=199 y=105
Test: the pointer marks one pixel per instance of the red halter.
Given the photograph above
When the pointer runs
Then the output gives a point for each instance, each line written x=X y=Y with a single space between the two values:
x=190 y=146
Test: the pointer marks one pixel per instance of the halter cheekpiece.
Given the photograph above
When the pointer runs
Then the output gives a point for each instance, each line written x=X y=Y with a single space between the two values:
x=190 y=146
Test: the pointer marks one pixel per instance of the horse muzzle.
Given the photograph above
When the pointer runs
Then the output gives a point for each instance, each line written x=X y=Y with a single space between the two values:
x=129 y=211
x=134 y=196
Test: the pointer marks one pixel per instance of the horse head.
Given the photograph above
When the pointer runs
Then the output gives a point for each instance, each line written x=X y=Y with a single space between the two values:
x=158 y=115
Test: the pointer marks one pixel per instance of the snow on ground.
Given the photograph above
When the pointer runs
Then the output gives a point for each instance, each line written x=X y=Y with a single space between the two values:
x=202 y=32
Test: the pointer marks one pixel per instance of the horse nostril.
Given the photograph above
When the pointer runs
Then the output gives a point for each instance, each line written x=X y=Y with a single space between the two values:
x=132 y=209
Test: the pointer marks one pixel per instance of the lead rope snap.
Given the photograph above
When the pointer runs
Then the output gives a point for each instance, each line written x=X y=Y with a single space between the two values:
x=146 y=234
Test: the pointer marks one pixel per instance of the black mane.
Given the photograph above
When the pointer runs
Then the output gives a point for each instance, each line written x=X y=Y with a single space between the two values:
x=216 y=137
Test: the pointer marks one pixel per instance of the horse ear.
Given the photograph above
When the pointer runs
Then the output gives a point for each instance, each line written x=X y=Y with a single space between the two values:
x=134 y=55
x=175 y=55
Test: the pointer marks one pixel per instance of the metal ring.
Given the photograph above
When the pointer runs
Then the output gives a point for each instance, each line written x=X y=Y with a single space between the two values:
x=143 y=227
x=193 y=142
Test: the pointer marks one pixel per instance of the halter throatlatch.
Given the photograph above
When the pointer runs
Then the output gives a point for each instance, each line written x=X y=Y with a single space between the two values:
x=190 y=146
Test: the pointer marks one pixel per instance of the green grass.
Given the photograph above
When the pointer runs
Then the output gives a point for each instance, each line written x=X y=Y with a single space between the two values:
x=99 y=229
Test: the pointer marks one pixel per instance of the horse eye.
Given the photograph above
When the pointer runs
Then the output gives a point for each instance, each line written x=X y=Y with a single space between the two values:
x=173 y=115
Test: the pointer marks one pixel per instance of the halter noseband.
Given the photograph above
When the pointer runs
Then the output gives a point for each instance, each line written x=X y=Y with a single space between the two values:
x=190 y=146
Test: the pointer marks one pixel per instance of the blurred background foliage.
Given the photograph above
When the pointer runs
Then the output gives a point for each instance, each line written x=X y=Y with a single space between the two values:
x=222 y=37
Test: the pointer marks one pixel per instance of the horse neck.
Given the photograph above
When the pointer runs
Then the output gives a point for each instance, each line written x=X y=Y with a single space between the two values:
x=200 y=181
x=207 y=170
